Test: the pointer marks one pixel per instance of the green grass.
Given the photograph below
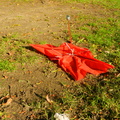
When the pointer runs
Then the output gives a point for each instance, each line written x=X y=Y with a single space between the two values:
x=98 y=98
x=84 y=101
x=6 y=65
x=102 y=37
x=106 y=3
x=13 y=51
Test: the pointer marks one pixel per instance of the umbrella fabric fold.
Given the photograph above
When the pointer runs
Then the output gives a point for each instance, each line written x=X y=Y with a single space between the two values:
x=74 y=60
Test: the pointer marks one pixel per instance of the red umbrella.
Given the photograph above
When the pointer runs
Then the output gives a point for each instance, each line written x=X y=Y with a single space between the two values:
x=74 y=60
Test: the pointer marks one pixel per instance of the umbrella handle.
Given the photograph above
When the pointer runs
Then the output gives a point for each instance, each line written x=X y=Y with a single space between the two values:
x=69 y=31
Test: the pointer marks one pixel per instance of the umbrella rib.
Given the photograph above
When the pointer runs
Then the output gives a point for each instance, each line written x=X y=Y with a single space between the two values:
x=58 y=56
x=72 y=50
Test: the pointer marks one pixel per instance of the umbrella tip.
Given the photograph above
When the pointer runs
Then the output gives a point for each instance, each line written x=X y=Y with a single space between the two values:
x=67 y=17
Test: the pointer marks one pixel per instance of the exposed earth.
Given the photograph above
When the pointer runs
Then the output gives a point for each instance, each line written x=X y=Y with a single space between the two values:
x=41 y=21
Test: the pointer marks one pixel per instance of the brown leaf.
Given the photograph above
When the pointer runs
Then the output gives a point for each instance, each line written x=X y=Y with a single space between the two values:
x=33 y=29
x=10 y=53
x=5 y=77
x=48 y=99
x=8 y=102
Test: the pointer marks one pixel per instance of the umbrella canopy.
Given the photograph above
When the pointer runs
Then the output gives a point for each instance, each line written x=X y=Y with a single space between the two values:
x=74 y=60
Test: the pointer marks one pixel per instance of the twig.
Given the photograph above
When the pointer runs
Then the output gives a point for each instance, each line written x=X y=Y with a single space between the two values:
x=9 y=90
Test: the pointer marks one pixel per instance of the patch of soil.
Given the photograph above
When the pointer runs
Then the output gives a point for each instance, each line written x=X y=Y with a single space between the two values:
x=40 y=21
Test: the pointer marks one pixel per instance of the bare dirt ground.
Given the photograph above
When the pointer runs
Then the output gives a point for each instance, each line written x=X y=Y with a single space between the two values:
x=41 y=21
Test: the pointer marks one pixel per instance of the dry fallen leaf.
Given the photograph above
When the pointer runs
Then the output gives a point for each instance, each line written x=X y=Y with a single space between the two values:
x=8 y=102
x=33 y=29
x=21 y=112
x=5 y=77
x=5 y=101
x=10 y=53
x=48 y=99
x=26 y=34
x=3 y=98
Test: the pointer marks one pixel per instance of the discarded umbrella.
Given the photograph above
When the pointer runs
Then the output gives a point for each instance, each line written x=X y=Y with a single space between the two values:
x=74 y=60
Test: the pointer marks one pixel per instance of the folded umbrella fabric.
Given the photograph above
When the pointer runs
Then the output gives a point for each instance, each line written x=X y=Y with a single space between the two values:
x=74 y=60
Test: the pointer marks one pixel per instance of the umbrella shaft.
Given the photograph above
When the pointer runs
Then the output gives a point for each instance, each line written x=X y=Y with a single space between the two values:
x=69 y=32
